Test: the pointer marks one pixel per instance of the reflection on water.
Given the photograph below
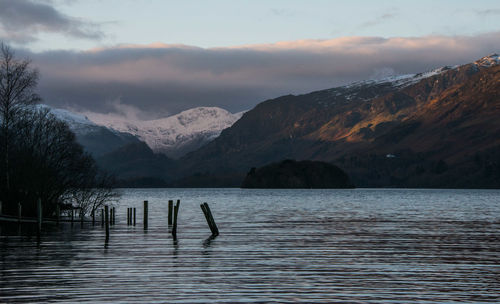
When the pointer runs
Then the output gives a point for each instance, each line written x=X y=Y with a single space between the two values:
x=379 y=246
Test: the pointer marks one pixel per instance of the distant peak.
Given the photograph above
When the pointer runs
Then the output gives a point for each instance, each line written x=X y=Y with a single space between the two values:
x=488 y=61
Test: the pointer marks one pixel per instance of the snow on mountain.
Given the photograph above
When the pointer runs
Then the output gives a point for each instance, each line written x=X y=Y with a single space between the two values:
x=488 y=61
x=78 y=123
x=174 y=135
x=96 y=139
x=401 y=81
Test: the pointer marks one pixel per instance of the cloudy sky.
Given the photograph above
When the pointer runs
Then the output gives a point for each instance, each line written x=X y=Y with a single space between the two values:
x=160 y=57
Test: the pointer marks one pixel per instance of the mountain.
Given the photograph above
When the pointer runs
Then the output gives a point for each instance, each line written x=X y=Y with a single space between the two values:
x=96 y=139
x=434 y=129
x=176 y=135
x=136 y=165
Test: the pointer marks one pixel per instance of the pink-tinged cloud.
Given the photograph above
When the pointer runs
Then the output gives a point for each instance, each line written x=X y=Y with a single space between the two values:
x=165 y=78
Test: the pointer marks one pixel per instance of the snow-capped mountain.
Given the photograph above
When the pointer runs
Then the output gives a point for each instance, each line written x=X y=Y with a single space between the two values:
x=174 y=135
x=96 y=139
x=440 y=120
x=405 y=80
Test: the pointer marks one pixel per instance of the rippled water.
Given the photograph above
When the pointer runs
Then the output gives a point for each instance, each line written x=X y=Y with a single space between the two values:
x=311 y=246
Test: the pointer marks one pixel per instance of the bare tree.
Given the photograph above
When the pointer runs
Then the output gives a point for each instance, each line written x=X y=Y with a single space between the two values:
x=17 y=83
x=95 y=194
x=50 y=165
x=40 y=157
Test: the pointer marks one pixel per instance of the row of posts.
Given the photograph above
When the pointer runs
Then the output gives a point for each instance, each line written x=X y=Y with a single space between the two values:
x=108 y=216
x=173 y=212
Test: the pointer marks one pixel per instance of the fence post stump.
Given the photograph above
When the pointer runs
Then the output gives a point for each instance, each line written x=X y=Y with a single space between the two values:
x=81 y=214
x=58 y=213
x=39 y=215
x=170 y=207
x=176 y=211
x=210 y=219
x=134 y=216
x=106 y=211
x=145 y=215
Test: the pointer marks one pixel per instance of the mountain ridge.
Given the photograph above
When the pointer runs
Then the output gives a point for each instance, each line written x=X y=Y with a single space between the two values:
x=174 y=135
x=437 y=117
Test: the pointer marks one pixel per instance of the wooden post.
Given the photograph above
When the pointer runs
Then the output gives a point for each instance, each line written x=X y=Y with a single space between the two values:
x=205 y=212
x=106 y=211
x=58 y=213
x=170 y=209
x=210 y=220
x=19 y=211
x=39 y=215
x=134 y=216
x=81 y=217
x=131 y=215
x=93 y=217
x=102 y=217
x=111 y=216
x=176 y=211
x=145 y=215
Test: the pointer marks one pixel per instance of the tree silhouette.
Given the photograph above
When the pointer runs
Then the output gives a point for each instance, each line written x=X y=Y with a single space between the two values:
x=17 y=83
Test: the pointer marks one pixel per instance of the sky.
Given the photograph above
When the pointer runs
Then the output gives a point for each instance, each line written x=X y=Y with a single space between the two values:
x=157 y=58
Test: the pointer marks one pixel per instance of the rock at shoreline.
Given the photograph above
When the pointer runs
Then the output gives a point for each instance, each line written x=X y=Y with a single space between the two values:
x=290 y=174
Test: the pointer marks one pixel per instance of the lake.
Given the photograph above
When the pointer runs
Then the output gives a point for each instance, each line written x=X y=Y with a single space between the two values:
x=282 y=246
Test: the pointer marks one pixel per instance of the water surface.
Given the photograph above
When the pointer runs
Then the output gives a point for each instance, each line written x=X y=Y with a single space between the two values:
x=310 y=246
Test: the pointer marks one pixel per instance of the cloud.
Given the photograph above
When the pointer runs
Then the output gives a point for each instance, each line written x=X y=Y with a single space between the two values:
x=165 y=79
x=281 y=12
x=379 y=20
x=488 y=12
x=22 y=20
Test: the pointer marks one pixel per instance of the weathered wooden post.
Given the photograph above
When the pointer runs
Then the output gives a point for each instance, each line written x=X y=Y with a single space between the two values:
x=134 y=216
x=176 y=211
x=58 y=213
x=110 y=216
x=39 y=215
x=102 y=217
x=145 y=215
x=205 y=212
x=106 y=211
x=170 y=209
x=19 y=212
x=81 y=217
x=210 y=219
